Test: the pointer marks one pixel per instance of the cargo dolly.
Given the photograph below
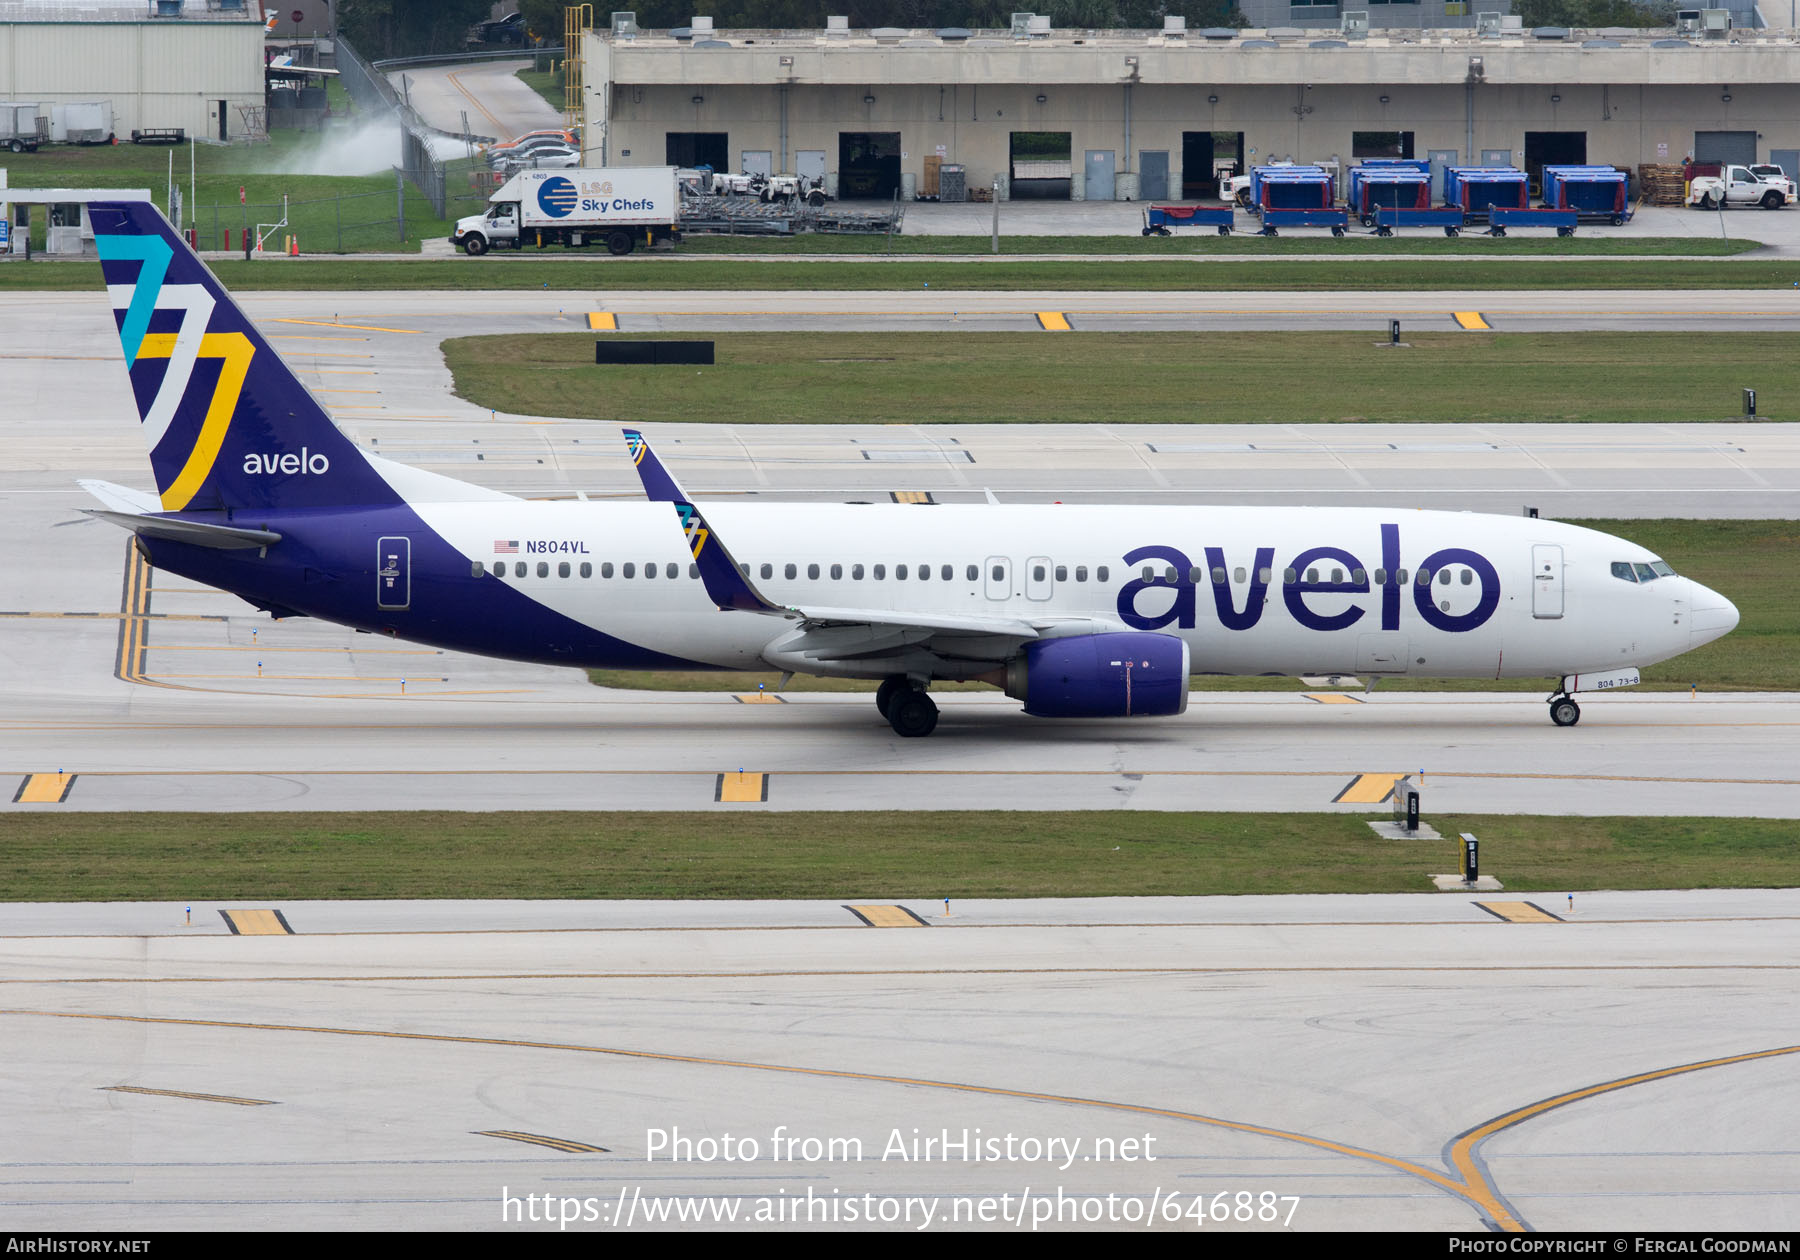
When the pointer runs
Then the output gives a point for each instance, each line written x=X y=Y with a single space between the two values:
x=1500 y=219
x=1387 y=218
x=1275 y=219
x=1159 y=219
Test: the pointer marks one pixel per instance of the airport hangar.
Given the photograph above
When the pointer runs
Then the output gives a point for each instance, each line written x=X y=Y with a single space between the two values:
x=1148 y=114
x=162 y=64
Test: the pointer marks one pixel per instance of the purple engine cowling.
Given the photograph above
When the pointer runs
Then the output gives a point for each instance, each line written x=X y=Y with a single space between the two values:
x=1101 y=675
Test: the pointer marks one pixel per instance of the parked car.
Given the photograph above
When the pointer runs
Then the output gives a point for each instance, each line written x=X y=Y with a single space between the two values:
x=523 y=151
x=507 y=30
x=542 y=157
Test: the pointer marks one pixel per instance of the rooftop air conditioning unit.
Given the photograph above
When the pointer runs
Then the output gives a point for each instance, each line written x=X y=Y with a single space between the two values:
x=168 y=8
x=1021 y=25
x=1487 y=23
x=1040 y=26
x=1354 y=23
x=1174 y=26
x=1511 y=22
x=837 y=26
x=701 y=26
x=1687 y=22
x=624 y=25
x=1715 y=22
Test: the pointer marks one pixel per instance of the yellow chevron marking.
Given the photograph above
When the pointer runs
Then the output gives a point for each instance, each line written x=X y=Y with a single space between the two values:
x=235 y=349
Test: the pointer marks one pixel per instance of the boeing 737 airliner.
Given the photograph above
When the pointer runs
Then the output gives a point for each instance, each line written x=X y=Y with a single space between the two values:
x=1077 y=611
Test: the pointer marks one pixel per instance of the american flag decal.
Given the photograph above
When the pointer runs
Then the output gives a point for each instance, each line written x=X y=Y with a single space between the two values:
x=503 y=547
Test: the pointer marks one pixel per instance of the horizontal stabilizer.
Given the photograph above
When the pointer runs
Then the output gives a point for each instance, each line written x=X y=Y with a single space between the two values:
x=197 y=533
x=121 y=498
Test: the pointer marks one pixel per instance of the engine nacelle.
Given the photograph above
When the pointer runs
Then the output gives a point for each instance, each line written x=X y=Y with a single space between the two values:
x=1101 y=675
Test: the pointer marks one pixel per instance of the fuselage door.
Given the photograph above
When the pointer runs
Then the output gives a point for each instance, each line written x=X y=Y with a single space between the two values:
x=393 y=573
x=1039 y=584
x=999 y=577
x=1546 y=581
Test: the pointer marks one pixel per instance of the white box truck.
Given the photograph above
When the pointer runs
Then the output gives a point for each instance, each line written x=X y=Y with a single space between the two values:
x=620 y=207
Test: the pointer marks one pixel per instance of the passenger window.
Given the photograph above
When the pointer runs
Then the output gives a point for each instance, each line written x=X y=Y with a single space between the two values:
x=1237 y=575
x=768 y=570
x=1290 y=575
x=856 y=573
x=837 y=572
x=1100 y=574
x=1218 y=575
x=972 y=573
x=1062 y=573
x=924 y=573
x=999 y=571
x=518 y=568
x=742 y=568
x=1443 y=577
x=587 y=570
x=899 y=573
x=562 y=570
x=1337 y=575
x=812 y=572
x=1646 y=573
x=880 y=572
x=672 y=570
x=694 y=570
x=948 y=572
x=1381 y=577
x=1312 y=575
x=543 y=568
x=1468 y=577
x=606 y=568
x=500 y=568
x=1037 y=573
x=1424 y=578
x=628 y=570
x=650 y=569
x=1358 y=576
x=477 y=569
x=1400 y=577
x=1264 y=574
x=1149 y=574
x=790 y=572
x=1080 y=573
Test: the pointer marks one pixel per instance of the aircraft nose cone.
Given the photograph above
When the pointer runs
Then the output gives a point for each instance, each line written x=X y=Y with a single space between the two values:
x=1714 y=617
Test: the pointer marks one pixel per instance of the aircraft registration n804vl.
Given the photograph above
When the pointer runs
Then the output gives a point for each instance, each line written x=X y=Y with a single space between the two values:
x=1078 y=611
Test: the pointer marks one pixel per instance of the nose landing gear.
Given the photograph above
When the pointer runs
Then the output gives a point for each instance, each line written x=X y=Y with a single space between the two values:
x=1563 y=710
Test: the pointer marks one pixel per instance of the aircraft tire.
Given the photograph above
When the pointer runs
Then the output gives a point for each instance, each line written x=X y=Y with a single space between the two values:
x=913 y=714
x=884 y=694
x=1564 y=711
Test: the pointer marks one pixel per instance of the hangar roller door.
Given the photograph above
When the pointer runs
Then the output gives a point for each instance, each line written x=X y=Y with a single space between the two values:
x=868 y=164
x=1725 y=146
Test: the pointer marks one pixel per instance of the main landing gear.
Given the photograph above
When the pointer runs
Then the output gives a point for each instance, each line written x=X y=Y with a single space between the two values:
x=907 y=708
x=1563 y=710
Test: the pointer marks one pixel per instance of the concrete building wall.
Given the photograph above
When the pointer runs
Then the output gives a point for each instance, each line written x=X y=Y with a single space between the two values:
x=156 y=74
x=1634 y=103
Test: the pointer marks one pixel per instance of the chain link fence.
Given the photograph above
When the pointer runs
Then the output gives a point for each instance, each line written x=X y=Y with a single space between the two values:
x=354 y=223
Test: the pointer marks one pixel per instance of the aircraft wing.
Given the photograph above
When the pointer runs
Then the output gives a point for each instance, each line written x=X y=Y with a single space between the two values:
x=823 y=633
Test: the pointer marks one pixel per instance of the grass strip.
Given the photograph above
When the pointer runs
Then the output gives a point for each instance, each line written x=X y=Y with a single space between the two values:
x=181 y=857
x=1242 y=243
x=597 y=273
x=1144 y=377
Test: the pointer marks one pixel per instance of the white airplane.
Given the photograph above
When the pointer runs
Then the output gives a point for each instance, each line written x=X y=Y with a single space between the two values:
x=1077 y=611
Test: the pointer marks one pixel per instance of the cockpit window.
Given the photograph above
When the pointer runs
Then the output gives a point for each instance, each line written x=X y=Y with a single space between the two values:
x=1622 y=570
x=1662 y=568
x=1645 y=573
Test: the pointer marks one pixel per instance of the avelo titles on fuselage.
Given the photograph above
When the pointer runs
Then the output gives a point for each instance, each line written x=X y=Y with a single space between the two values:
x=1077 y=611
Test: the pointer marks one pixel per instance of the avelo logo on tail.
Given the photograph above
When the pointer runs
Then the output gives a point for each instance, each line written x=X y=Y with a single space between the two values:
x=557 y=196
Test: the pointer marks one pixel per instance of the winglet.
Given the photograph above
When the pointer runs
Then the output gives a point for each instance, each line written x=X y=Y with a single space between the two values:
x=727 y=582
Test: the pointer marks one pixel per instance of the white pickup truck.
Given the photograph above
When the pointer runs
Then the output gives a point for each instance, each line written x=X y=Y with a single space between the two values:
x=1742 y=186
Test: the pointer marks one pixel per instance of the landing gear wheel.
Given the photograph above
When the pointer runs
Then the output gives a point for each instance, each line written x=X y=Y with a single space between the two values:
x=912 y=714
x=884 y=694
x=619 y=243
x=1564 y=711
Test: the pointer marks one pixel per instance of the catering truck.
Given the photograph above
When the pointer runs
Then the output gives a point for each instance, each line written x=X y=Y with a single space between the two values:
x=620 y=207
